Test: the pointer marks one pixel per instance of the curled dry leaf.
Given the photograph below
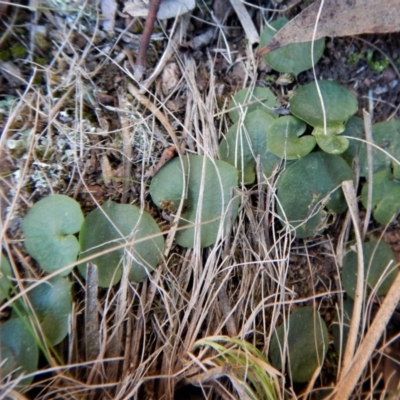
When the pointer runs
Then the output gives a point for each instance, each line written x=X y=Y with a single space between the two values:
x=167 y=155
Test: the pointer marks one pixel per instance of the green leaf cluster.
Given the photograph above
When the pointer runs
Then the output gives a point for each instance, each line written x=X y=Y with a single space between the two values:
x=39 y=319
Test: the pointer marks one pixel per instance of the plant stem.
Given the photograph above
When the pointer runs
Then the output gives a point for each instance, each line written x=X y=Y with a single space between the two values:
x=140 y=65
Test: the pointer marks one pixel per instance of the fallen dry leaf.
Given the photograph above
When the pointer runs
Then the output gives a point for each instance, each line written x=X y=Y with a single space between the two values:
x=167 y=155
x=338 y=18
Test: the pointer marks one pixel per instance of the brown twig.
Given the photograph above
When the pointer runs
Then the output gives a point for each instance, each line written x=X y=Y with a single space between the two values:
x=140 y=65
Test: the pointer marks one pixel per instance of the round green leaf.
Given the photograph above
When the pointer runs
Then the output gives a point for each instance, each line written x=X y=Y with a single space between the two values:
x=52 y=304
x=385 y=197
x=250 y=99
x=339 y=105
x=114 y=224
x=309 y=185
x=19 y=350
x=386 y=136
x=292 y=58
x=5 y=277
x=49 y=227
x=247 y=140
x=377 y=257
x=285 y=140
x=331 y=143
x=305 y=336
x=209 y=202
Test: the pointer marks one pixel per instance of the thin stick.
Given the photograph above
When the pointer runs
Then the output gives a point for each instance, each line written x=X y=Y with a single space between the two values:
x=92 y=336
x=140 y=65
x=351 y=198
x=246 y=21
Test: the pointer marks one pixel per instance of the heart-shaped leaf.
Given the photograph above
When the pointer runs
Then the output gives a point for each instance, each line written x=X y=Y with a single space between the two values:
x=250 y=99
x=385 y=196
x=5 y=277
x=114 y=224
x=305 y=337
x=245 y=141
x=209 y=201
x=19 y=350
x=386 y=136
x=339 y=105
x=52 y=304
x=293 y=58
x=331 y=143
x=285 y=140
x=378 y=260
x=49 y=227
x=309 y=185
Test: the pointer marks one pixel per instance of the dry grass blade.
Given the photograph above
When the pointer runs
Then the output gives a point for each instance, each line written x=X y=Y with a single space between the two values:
x=369 y=139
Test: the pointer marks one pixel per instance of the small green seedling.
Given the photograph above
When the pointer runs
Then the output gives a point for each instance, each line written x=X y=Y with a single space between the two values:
x=245 y=142
x=309 y=190
x=49 y=229
x=115 y=224
x=209 y=203
x=300 y=344
x=379 y=261
x=338 y=106
x=293 y=58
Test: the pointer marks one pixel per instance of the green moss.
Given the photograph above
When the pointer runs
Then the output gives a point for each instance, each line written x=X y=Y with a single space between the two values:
x=41 y=60
x=355 y=58
x=18 y=51
x=376 y=65
x=5 y=55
